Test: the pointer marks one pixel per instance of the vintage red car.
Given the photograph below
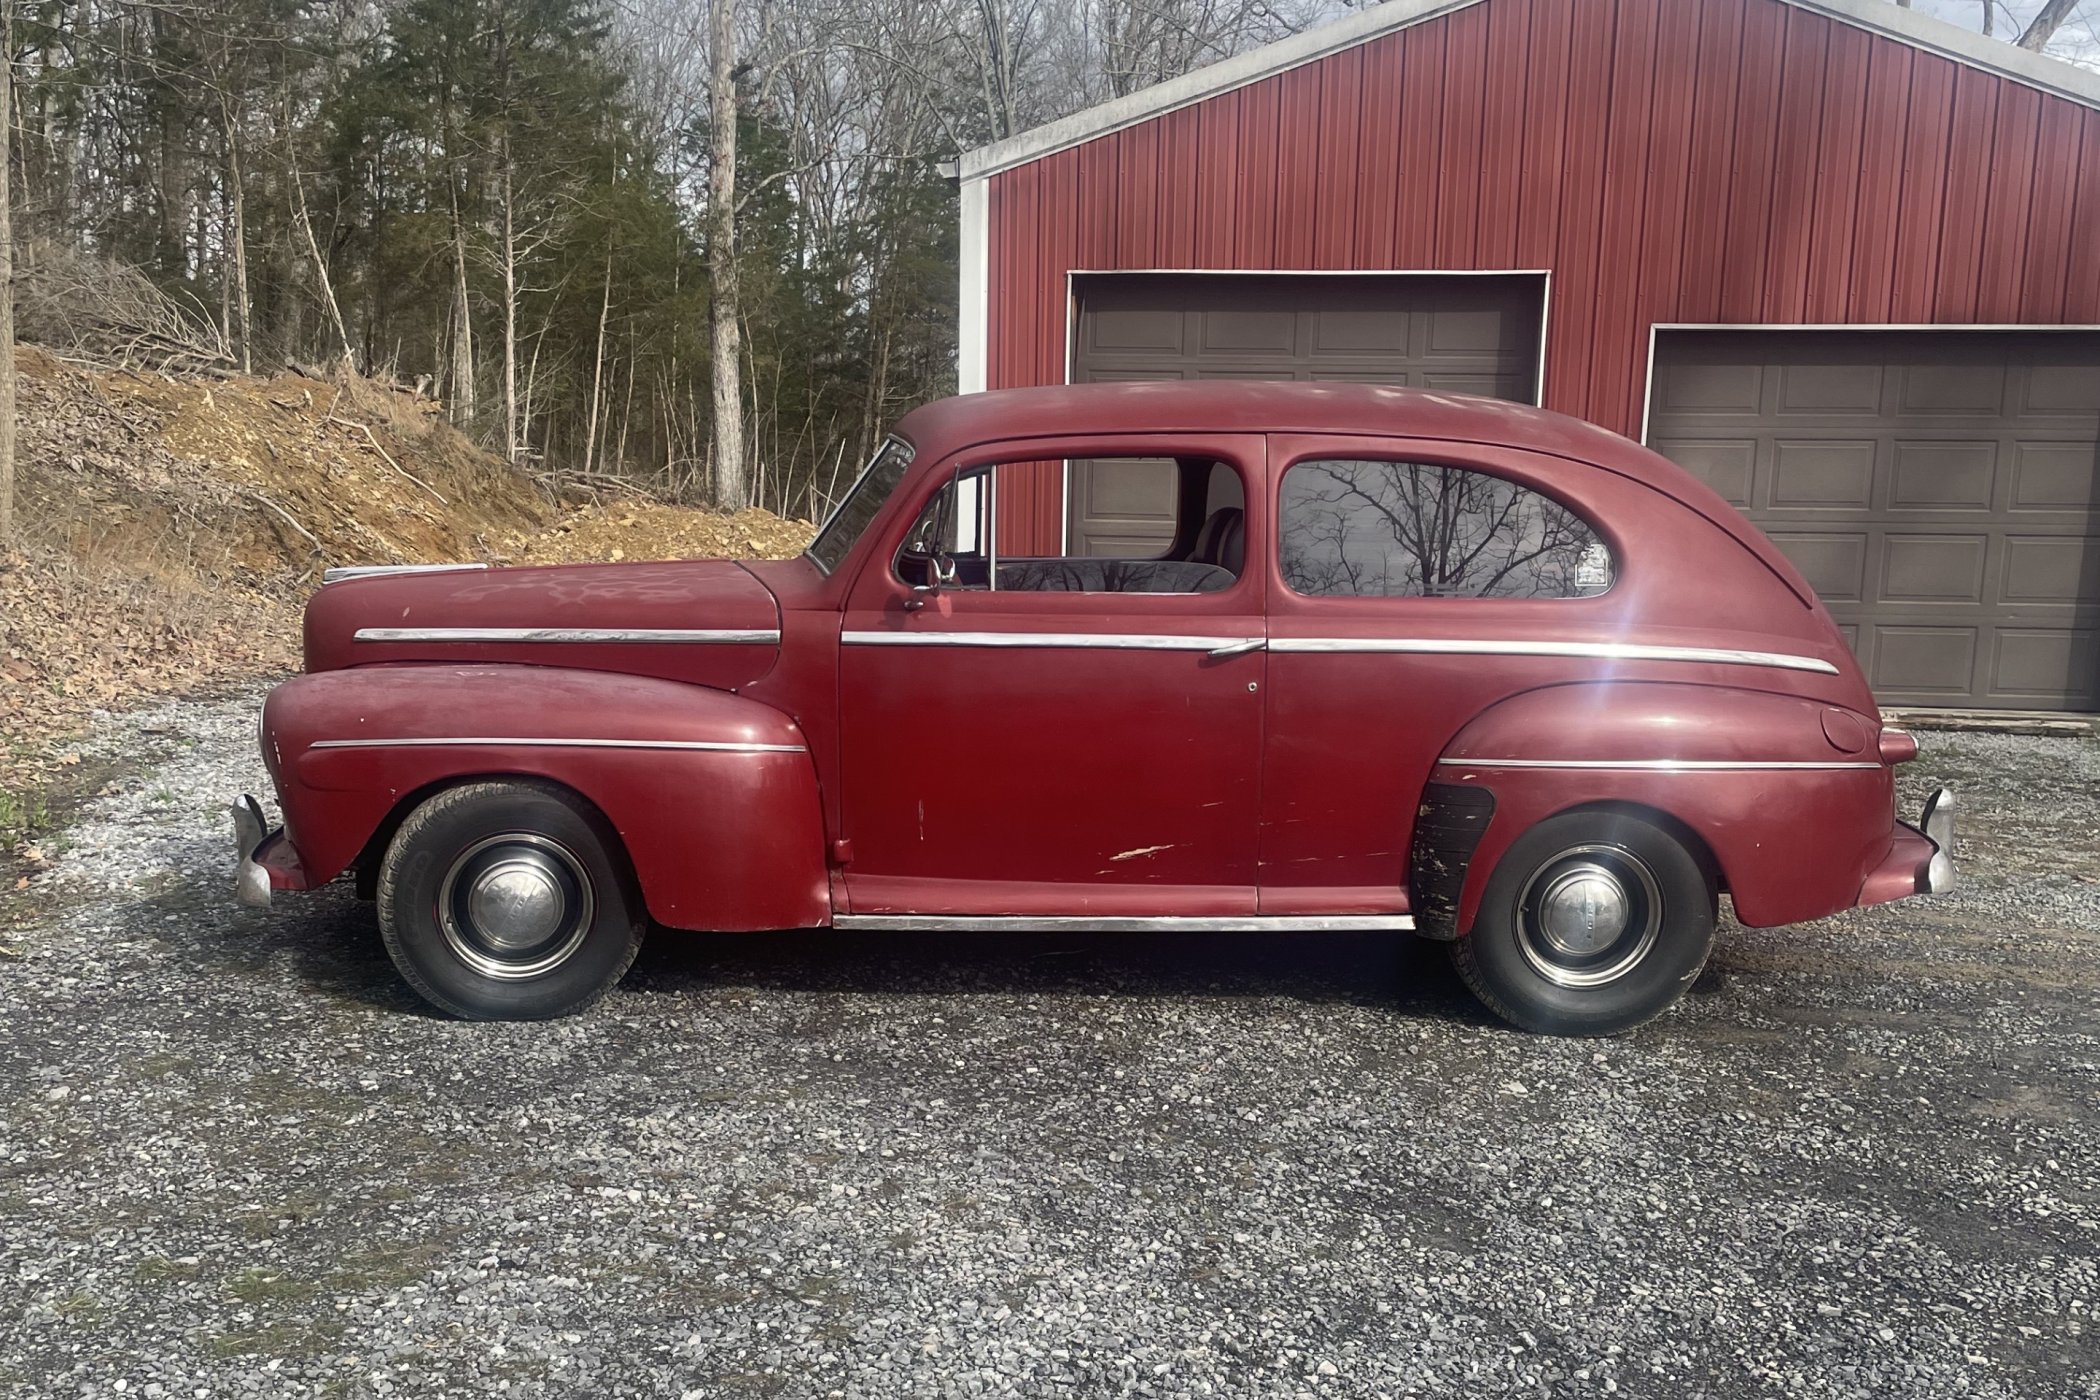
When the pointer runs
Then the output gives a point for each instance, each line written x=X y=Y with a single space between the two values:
x=1313 y=656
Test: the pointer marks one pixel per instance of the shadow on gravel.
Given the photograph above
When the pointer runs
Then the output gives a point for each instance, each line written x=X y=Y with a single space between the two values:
x=329 y=941
x=1386 y=970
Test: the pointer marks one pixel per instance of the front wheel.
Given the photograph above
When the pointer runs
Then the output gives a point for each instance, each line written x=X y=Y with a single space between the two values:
x=508 y=901
x=1592 y=923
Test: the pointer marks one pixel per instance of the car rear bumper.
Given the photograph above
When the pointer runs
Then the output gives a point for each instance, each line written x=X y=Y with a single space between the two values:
x=1920 y=858
x=267 y=859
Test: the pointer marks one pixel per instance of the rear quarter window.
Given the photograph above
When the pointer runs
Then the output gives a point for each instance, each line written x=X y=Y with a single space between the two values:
x=1373 y=529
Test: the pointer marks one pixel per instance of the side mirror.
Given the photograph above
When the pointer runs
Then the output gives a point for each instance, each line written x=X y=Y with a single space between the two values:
x=941 y=568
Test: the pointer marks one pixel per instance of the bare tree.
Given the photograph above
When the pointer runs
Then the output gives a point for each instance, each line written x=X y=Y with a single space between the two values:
x=1142 y=42
x=590 y=434
x=1004 y=34
x=724 y=305
x=7 y=276
x=2042 y=28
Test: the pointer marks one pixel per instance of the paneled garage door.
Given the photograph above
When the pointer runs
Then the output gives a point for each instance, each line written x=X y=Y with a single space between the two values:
x=1470 y=334
x=1940 y=489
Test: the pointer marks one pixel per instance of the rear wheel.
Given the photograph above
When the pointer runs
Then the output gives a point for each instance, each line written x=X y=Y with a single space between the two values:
x=1591 y=924
x=508 y=901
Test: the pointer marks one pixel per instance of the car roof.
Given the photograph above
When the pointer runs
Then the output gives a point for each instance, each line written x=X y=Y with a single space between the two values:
x=1357 y=410
x=1265 y=406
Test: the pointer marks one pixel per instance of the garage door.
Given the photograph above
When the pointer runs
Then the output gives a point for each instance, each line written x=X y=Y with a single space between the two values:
x=1938 y=488
x=1474 y=335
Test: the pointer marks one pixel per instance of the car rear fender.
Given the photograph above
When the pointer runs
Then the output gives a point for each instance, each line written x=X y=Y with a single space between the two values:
x=1786 y=799
x=713 y=795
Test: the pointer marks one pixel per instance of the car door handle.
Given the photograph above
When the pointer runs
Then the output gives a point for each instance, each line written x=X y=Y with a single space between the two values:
x=1239 y=648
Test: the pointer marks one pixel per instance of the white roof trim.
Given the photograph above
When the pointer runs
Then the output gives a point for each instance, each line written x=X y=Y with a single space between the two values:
x=1935 y=36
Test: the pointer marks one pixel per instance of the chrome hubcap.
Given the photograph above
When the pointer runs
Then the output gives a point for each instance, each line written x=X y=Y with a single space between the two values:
x=1583 y=911
x=1588 y=916
x=516 y=905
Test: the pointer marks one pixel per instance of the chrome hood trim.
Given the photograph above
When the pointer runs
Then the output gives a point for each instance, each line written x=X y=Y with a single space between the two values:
x=692 y=636
x=348 y=571
x=514 y=741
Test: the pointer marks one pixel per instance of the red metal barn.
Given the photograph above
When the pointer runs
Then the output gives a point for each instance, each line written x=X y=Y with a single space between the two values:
x=1841 y=259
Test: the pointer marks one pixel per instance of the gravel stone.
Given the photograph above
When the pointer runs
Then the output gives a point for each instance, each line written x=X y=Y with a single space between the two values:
x=238 y=1158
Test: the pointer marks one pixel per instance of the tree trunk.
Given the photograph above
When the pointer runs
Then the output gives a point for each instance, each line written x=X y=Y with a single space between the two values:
x=510 y=308
x=2044 y=26
x=617 y=457
x=171 y=251
x=532 y=379
x=724 y=304
x=240 y=244
x=7 y=276
x=313 y=248
x=462 y=323
x=590 y=437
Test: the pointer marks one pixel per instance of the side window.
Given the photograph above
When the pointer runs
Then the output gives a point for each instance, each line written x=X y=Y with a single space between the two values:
x=1418 y=530
x=1136 y=525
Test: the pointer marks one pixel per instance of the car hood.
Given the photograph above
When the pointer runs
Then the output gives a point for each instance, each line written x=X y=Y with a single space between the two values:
x=707 y=621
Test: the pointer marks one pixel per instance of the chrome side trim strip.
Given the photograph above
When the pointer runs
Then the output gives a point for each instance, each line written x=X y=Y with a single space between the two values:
x=1089 y=641
x=1095 y=923
x=343 y=571
x=1654 y=765
x=1596 y=651
x=716 y=636
x=1130 y=641
x=497 y=741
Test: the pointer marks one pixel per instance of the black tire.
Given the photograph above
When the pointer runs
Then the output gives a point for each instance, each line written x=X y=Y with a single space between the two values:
x=509 y=901
x=1549 y=952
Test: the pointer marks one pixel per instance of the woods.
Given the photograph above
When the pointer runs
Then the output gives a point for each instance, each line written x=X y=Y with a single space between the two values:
x=703 y=248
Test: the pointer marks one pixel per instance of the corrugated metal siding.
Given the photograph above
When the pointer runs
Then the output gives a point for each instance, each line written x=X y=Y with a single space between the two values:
x=1670 y=160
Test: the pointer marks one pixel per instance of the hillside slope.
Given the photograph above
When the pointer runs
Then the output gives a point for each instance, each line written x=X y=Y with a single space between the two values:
x=172 y=530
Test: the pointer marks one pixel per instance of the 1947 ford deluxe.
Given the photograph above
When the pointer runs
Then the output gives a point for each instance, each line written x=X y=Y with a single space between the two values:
x=1311 y=656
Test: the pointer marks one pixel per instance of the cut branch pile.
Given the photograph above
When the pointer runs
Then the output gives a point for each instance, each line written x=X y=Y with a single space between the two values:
x=94 y=310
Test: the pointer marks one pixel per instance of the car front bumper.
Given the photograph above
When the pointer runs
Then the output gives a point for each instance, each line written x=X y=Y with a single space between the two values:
x=1920 y=858
x=267 y=860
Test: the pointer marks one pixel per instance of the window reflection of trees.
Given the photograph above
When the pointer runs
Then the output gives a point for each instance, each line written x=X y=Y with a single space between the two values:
x=1403 y=529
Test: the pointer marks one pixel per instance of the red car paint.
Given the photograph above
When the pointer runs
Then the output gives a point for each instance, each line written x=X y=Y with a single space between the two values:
x=856 y=767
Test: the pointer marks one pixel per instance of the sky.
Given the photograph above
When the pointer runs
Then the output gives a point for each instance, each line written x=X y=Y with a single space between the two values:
x=2078 y=40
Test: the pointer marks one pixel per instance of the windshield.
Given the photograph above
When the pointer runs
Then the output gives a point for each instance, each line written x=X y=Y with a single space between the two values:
x=840 y=533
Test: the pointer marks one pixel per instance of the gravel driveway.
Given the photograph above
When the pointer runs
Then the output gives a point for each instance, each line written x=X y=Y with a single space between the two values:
x=236 y=1157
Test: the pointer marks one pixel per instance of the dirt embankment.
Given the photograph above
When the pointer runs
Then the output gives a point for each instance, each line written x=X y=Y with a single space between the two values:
x=171 y=530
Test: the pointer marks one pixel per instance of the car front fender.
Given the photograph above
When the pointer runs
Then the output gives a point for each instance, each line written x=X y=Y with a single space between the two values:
x=1788 y=797
x=713 y=795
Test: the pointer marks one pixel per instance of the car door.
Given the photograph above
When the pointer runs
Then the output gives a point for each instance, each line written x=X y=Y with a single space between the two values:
x=1035 y=739
x=1402 y=574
